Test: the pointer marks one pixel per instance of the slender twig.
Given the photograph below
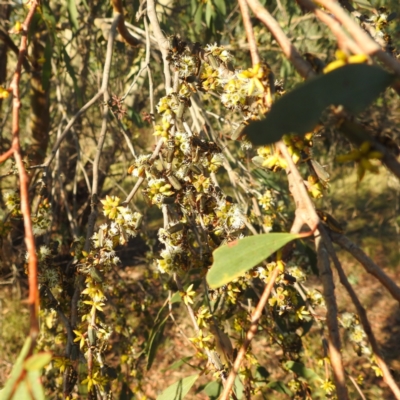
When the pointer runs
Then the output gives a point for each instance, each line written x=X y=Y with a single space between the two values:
x=250 y=335
x=15 y=150
x=255 y=57
x=367 y=263
x=306 y=213
x=102 y=137
x=343 y=40
x=162 y=41
x=366 y=43
x=334 y=342
x=387 y=376
x=302 y=66
x=122 y=29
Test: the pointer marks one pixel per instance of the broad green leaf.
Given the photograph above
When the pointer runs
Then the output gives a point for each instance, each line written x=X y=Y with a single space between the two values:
x=179 y=363
x=234 y=259
x=209 y=13
x=176 y=298
x=300 y=370
x=16 y=371
x=34 y=381
x=178 y=390
x=37 y=361
x=213 y=390
x=238 y=387
x=280 y=387
x=221 y=6
x=198 y=17
x=261 y=374
x=21 y=392
x=353 y=86
x=73 y=14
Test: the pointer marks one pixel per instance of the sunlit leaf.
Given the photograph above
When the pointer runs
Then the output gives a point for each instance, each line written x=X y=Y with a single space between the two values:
x=178 y=390
x=16 y=371
x=37 y=361
x=213 y=390
x=73 y=13
x=354 y=86
x=220 y=4
x=235 y=258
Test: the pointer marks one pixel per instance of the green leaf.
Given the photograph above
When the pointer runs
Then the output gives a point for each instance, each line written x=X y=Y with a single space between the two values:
x=300 y=370
x=238 y=387
x=209 y=13
x=34 y=381
x=198 y=17
x=220 y=4
x=354 y=86
x=73 y=14
x=178 y=390
x=21 y=392
x=179 y=363
x=235 y=258
x=37 y=361
x=16 y=372
x=279 y=387
x=261 y=374
x=213 y=390
x=154 y=341
x=176 y=298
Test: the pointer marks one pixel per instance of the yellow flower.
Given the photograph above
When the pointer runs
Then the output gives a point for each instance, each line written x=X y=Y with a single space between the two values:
x=342 y=59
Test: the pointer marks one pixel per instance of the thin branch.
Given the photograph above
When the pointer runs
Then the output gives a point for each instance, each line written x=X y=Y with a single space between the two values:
x=367 y=263
x=255 y=57
x=366 y=43
x=334 y=343
x=250 y=335
x=387 y=376
x=162 y=41
x=302 y=66
x=122 y=29
x=343 y=40
x=33 y=299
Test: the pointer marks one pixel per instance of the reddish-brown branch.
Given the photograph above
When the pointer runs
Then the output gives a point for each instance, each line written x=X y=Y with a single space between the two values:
x=24 y=181
x=250 y=334
x=343 y=40
x=366 y=43
x=122 y=29
x=387 y=376
x=255 y=57
x=302 y=66
x=367 y=263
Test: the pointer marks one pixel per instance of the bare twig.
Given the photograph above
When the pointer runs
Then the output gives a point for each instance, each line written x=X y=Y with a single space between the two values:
x=302 y=66
x=367 y=263
x=33 y=299
x=255 y=57
x=366 y=43
x=334 y=343
x=122 y=29
x=343 y=40
x=162 y=41
x=387 y=376
x=250 y=335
